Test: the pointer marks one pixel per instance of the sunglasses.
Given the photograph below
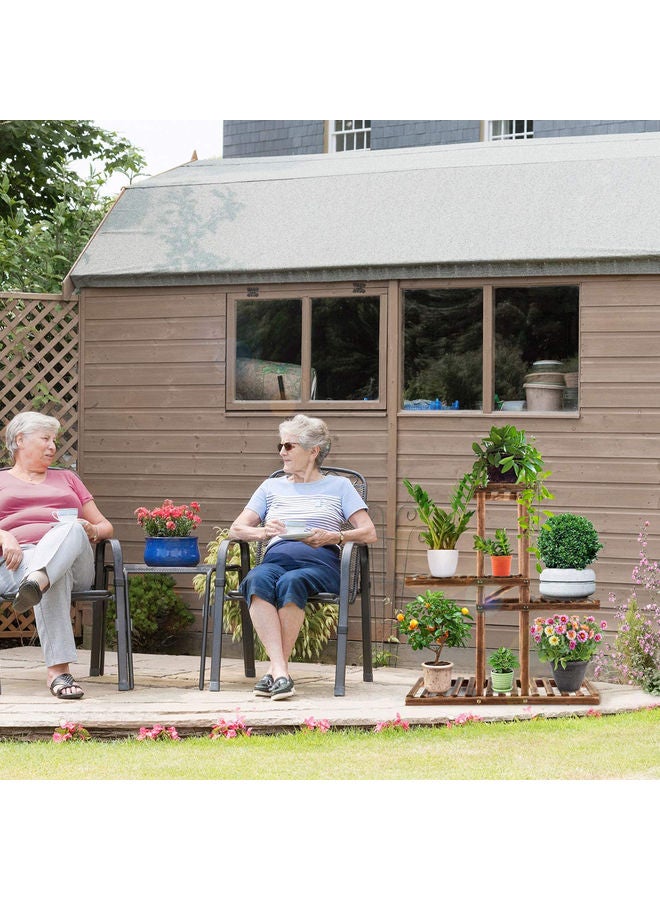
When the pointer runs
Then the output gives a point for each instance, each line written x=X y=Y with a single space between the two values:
x=287 y=445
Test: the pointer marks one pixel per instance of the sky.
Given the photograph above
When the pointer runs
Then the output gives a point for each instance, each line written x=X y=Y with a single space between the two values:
x=165 y=143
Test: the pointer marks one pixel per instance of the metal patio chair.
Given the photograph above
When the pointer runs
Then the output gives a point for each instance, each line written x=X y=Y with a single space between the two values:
x=102 y=590
x=354 y=579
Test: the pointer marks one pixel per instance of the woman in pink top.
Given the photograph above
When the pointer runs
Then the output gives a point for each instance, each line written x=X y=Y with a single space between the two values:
x=43 y=559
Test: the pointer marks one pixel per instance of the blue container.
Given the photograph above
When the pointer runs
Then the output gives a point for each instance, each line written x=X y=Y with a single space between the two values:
x=171 y=551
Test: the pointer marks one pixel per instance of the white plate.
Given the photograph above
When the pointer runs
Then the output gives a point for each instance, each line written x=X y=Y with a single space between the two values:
x=295 y=536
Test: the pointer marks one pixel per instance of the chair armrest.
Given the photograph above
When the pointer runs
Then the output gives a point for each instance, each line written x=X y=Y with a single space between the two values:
x=117 y=567
x=221 y=566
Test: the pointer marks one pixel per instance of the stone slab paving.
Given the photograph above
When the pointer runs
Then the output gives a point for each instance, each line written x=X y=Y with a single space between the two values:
x=166 y=692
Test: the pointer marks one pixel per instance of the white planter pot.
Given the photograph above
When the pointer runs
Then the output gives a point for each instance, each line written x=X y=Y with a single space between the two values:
x=437 y=678
x=442 y=563
x=567 y=583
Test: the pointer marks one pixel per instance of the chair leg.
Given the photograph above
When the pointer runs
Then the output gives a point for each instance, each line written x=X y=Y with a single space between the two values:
x=97 y=654
x=365 y=601
x=216 y=640
x=248 y=642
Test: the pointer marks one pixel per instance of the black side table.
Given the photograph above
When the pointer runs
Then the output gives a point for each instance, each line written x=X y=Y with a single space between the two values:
x=203 y=568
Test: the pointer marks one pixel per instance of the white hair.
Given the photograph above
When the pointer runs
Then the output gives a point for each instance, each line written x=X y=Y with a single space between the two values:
x=311 y=432
x=26 y=423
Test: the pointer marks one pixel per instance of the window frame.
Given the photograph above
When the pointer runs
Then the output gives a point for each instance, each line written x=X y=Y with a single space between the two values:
x=488 y=288
x=333 y=134
x=526 y=134
x=307 y=296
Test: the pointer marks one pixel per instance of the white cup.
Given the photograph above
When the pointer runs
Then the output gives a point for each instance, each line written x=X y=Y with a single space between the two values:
x=65 y=515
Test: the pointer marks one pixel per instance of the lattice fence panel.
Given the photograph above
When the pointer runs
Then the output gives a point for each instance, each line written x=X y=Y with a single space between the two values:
x=39 y=354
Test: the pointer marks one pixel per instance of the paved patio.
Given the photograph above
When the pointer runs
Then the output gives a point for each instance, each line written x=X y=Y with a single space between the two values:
x=167 y=692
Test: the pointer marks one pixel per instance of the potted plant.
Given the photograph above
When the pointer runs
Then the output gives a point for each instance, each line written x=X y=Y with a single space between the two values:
x=502 y=664
x=567 y=544
x=508 y=455
x=168 y=528
x=568 y=644
x=444 y=526
x=499 y=550
x=432 y=620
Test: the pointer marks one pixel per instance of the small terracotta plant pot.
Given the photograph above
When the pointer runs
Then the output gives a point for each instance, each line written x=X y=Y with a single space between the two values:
x=500 y=565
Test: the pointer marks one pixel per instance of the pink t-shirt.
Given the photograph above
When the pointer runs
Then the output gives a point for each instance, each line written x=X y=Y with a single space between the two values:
x=27 y=509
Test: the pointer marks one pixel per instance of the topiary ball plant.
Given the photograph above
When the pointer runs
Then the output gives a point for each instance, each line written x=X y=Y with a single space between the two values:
x=568 y=541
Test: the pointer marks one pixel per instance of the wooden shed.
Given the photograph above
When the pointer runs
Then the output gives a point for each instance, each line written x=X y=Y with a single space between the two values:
x=402 y=295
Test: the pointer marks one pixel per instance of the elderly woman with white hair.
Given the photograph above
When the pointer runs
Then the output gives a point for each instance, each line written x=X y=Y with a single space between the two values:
x=43 y=559
x=276 y=590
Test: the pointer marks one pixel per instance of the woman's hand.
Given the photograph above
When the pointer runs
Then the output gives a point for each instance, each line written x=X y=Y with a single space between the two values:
x=91 y=530
x=11 y=550
x=319 y=537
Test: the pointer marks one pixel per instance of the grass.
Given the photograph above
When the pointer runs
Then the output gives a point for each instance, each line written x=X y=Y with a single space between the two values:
x=622 y=746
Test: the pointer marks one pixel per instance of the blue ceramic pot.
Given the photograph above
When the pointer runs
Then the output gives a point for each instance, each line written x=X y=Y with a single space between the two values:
x=171 y=551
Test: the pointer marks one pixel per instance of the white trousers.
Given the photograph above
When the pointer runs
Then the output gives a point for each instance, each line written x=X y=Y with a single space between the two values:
x=67 y=556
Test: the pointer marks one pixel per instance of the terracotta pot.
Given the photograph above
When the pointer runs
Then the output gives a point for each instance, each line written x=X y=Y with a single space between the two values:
x=437 y=678
x=500 y=565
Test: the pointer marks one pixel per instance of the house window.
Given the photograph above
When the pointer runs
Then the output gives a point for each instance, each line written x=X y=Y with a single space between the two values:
x=307 y=350
x=515 y=346
x=349 y=134
x=510 y=129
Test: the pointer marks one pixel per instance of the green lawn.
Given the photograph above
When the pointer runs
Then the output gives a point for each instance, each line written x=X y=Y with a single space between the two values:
x=623 y=746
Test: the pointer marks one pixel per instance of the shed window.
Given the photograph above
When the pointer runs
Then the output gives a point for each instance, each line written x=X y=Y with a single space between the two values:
x=321 y=349
x=515 y=346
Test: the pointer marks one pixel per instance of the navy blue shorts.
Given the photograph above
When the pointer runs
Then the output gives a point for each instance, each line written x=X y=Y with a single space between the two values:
x=291 y=572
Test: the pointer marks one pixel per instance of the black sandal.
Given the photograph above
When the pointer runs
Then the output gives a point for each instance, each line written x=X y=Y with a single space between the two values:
x=29 y=594
x=61 y=683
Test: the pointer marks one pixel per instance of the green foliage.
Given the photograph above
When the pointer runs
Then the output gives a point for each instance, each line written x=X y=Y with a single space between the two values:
x=444 y=527
x=567 y=541
x=318 y=626
x=497 y=546
x=433 y=620
x=651 y=683
x=157 y=613
x=511 y=452
x=47 y=210
x=503 y=660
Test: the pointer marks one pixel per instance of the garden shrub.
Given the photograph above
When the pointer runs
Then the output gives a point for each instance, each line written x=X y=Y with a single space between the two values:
x=157 y=613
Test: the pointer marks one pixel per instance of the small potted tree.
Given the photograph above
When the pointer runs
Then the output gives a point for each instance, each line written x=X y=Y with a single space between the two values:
x=499 y=550
x=502 y=664
x=444 y=527
x=434 y=621
x=567 y=544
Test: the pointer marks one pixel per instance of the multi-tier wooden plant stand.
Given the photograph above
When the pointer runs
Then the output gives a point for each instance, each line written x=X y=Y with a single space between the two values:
x=494 y=594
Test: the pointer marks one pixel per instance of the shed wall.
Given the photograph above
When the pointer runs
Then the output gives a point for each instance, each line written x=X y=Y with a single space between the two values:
x=154 y=425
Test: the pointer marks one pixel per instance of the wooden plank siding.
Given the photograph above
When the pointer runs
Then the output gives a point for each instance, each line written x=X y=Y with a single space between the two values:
x=153 y=424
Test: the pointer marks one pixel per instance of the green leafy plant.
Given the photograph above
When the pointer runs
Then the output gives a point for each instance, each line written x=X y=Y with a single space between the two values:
x=509 y=454
x=497 y=546
x=432 y=620
x=568 y=541
x=444 y=526
x=503 y=660
x=562 y=638
x=157 y=613
x=319 y=624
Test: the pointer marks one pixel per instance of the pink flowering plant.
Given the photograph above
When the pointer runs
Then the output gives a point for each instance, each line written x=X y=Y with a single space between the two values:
x=158 y=733
x=562 y=638
x=634 y=655
x=230 y=729
x=168 y=519
x=395 y=724
x=312 y=724
x=70 y=731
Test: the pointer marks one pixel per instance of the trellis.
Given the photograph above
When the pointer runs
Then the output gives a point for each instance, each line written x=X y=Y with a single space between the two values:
x=39 y=353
